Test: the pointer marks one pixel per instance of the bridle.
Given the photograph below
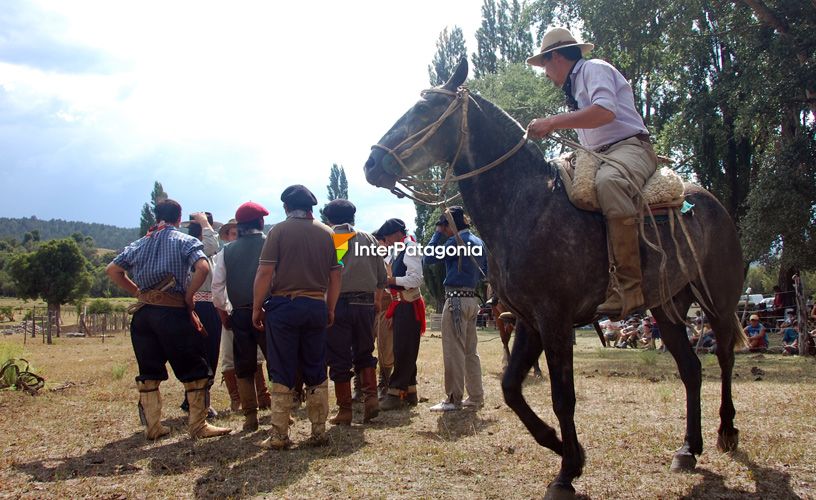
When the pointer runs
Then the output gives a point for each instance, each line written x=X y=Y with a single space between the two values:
x=461 y=98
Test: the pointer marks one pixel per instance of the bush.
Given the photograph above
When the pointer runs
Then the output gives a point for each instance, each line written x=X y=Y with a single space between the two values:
x=118 y=371
x=100 y=306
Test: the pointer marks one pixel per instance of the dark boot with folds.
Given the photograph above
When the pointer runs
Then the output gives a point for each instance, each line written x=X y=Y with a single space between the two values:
x=198 y=397
x=232 y=387
x=382 y=385
x=150 y=405
x=264 y=399
x=249 y=402
x=372 y=404
x=342 y=392
x=627 y=296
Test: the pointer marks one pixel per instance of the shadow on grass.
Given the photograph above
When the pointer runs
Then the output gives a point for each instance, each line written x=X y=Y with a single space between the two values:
x=452 y=426
x=770 y=483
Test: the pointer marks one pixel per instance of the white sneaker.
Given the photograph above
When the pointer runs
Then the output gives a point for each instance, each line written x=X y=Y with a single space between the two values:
x=446 y=406
x=469 y=403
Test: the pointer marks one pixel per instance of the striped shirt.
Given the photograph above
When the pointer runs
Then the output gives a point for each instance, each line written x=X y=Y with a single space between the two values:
x=165 y=251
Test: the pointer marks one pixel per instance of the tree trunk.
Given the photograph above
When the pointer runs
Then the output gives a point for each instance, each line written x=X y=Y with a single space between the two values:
x=54 y=315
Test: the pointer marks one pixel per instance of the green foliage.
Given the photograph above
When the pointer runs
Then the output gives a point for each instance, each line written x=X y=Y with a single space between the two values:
x=648 y=357
x=99 y=306
x=103 y=235
x=148 y=217
x=118 y=371
x=337 y=188
x=450 y=49
x=55 y=272
x=9 y=351
x=504 y=36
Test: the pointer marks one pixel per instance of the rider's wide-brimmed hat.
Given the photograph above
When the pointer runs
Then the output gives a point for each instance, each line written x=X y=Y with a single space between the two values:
x=557 y=38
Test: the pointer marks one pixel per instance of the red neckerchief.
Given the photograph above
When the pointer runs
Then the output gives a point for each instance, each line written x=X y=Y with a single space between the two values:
x=155 y=229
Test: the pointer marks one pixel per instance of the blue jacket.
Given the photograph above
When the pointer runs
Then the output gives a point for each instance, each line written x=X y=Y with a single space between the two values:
x=469 y=276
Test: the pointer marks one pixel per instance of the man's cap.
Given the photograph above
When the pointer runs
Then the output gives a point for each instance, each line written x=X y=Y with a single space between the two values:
x=753 y=317
x=458 y=214
x=298 y=196
x=390 y=227
x=339 y=210
x=557 y=38
x=250 y=211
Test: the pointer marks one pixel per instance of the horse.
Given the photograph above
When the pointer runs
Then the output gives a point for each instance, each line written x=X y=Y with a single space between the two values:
x=548 y=259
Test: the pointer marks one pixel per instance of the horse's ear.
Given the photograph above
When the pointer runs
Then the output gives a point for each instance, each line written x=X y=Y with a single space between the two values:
x=458 y=77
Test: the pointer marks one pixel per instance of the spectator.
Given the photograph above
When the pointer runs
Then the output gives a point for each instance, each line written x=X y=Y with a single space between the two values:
x=611 y=330
x=790 y=339
x=628 y=334
x=757 y=336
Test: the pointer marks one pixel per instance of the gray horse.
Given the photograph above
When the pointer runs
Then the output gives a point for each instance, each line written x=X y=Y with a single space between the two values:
x=549 y=261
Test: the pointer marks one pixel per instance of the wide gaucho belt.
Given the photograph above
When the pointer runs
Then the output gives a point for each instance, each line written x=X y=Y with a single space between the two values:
x=159 y=295
x=459 y=293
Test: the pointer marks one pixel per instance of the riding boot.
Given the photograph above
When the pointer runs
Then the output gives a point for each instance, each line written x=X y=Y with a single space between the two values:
x=369 y=387
x=281 y=397
x=382 y=385
x=357 y=394
x=198 y=397
x=342 y=391
x=264 y=401
x=232 y=387
x=249 y=402
x=627 y=296
x=150 y=409
x=394 y=400
x=317 y=407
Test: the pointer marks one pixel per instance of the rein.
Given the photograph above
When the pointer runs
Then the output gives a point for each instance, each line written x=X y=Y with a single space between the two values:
x=411 y=184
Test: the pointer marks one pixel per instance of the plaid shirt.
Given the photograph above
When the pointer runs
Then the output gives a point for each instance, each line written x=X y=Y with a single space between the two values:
x=166 y=251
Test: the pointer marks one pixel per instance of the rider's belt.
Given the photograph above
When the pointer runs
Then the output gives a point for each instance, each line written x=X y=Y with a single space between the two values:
x=407 y=295
x=358 y=298
x=459 y=293
x=641 y=137
x=159 y=298
x=202 y=296
x=293 y=294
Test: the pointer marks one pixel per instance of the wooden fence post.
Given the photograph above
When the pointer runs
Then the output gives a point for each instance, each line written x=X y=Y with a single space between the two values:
x=802 y=314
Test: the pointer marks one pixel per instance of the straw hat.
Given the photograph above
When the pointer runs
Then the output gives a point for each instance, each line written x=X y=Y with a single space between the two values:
x=557 y=38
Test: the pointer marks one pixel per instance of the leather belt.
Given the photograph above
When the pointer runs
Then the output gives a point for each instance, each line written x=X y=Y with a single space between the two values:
x=641 y=137
x=459 y=293
x=312 y=294
x=203 y=297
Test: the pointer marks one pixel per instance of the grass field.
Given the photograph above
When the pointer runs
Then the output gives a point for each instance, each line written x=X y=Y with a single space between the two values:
x=80 y=437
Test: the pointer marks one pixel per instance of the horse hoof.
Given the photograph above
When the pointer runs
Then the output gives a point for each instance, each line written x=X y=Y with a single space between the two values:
x=558 y=492
x=683 y=462
x=728 y=441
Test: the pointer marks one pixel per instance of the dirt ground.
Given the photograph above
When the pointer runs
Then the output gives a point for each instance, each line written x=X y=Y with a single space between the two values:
x=80 y=437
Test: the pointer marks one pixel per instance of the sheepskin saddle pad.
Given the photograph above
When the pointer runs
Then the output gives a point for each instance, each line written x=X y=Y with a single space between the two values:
x=664 y=189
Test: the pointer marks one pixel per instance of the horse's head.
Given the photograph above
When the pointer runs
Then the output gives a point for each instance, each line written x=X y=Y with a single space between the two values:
x=426 y=135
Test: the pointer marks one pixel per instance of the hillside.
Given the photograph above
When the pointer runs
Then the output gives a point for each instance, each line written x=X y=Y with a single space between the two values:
x=105 y=236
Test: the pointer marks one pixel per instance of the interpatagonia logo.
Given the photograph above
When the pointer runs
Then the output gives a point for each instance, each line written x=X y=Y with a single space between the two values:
x=341 y=245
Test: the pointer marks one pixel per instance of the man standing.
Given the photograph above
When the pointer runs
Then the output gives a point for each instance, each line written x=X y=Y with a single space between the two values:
x=351 y=338
x=234 y=282
x=464 y=269
x=165 y=326
x=407 y=313
x=299 y=273
x=602 y=110
x=384 y=332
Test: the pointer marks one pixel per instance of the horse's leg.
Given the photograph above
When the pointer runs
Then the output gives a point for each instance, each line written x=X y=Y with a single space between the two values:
x=526 y=349
x=558 y=350
x=726 y=331
x=537 y=369
x=676 y=341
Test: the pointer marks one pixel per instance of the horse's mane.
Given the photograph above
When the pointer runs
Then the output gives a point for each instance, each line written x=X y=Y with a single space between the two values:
x=506 y=122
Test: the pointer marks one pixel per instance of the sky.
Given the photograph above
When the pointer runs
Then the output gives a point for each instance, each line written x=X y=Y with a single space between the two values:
x=221 y=102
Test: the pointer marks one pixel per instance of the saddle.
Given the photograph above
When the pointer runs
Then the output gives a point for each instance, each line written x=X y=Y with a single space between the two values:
x=663 y=190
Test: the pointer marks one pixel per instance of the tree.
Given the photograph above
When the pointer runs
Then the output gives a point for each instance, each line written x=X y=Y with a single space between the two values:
x=450 y=49
x=148 y=218
x=504 y=36
x=337 y=188
x=56 y=272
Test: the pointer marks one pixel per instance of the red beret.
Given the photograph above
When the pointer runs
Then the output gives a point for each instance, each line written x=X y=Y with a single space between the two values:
x=250 y=211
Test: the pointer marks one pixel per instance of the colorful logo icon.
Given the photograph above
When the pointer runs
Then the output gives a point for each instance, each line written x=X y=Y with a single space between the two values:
x=341 y=244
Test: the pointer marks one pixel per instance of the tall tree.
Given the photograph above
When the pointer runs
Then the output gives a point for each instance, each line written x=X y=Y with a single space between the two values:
x=56 y=272
x=504 y=36
x=337 y=188
x=148 y=218
x=450 y=49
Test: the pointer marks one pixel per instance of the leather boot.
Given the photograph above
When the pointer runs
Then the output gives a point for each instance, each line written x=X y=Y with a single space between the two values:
x=369 y=385
x=627 y=296
x=382 y=385
x=357 y=394
x=264 y=399
x=150 y=409
x=342 y=391
x=246 y=387
x=198 y=396
x=278 y=439
x=317 y=407
x=232 y=387
x=394 y=400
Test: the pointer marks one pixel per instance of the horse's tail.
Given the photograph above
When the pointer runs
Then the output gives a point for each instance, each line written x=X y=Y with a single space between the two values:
x=741 y=341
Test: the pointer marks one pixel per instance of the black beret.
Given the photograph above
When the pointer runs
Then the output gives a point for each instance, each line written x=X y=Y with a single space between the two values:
x=458 y=214
x=390 y=227
x=298 y=196
x=340 y=211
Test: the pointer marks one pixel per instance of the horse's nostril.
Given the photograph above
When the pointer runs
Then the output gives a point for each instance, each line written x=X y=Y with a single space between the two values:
x=370 y=163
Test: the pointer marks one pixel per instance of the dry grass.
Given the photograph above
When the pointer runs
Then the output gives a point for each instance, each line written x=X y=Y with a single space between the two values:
x=85 y=440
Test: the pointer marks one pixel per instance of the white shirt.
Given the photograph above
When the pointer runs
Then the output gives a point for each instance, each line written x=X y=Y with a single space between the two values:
x=413 y=263
x=219 y=283
x=597 y=82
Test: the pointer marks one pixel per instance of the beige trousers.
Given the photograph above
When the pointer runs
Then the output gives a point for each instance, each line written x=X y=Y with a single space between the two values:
x=227 y=356
x=616 y=192
x=463 y=368
x=385 y=340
